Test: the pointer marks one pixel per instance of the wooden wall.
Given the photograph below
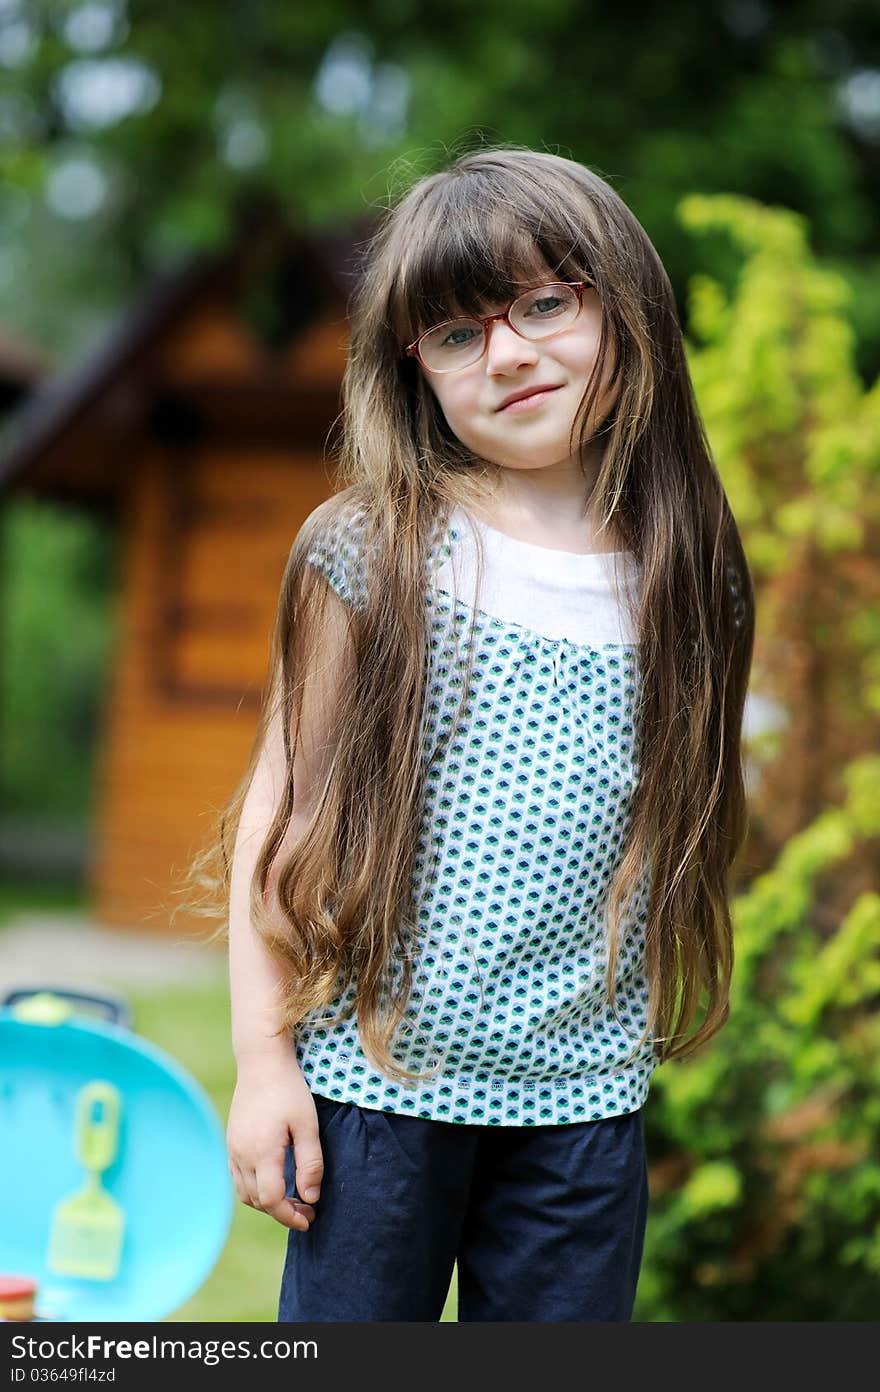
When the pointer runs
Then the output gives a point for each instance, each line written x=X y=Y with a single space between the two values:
x=204 y=553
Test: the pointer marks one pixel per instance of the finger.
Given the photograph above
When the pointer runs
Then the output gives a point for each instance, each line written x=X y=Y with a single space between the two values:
x=293 y=1213
x=271 y=1191
x=309 y=1168
x=250 y=1189
x=240 y=1186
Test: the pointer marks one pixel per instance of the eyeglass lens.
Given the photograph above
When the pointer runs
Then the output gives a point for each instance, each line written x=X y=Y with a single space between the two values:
x=536 y=314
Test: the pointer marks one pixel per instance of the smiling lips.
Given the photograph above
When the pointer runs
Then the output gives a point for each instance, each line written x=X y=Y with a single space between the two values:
x=526 y=398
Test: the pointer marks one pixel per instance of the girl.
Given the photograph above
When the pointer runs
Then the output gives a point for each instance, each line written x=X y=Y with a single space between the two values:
x=479 y=887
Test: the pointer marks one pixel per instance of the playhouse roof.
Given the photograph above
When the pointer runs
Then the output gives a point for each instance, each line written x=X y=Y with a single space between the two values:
x=326 y=260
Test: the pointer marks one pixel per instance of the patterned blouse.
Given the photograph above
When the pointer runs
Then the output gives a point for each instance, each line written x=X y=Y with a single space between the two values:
x=525 y=817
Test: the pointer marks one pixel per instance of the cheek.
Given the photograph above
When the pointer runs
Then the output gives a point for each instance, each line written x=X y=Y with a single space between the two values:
x=583 y=352
x=587 y=357
x=459 y=406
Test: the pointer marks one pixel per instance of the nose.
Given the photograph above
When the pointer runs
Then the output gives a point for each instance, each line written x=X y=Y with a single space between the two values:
x=506 y=348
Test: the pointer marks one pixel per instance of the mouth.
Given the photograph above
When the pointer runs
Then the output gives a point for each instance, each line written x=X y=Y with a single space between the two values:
x=530 y=400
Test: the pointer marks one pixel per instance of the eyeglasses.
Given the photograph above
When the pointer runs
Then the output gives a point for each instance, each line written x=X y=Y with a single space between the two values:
x=458 y=343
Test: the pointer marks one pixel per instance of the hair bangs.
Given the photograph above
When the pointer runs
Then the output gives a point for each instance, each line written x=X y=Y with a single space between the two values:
x=468 y=257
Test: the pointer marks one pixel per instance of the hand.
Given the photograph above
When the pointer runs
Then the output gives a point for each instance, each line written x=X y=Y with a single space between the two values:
x=272 y=1108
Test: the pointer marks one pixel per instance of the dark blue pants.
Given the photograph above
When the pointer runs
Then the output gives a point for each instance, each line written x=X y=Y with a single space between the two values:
x=546 y=1222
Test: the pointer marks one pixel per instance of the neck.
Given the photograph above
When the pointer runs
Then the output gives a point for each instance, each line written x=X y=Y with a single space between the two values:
x=540 y=504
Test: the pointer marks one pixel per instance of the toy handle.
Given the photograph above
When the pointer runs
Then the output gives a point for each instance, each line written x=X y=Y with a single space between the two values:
x=114 y=1008
x=97 y=1124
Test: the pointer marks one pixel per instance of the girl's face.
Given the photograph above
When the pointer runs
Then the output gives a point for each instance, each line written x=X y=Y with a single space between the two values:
x=535 y=438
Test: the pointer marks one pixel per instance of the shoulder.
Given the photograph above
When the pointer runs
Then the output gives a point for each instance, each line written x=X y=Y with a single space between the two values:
x=334 y=540
x=334 y=516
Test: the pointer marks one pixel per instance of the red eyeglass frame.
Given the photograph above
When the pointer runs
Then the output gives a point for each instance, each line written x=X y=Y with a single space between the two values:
x=578 y=285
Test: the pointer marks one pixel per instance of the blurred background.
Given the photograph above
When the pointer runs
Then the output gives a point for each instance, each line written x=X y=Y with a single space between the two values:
x=183 y=191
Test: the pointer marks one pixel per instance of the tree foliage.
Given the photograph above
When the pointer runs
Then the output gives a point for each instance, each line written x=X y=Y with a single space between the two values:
x=765 y=1147
x=166 y=115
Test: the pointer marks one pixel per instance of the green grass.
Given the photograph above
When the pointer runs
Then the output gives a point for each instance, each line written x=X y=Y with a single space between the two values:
x=193 y=1026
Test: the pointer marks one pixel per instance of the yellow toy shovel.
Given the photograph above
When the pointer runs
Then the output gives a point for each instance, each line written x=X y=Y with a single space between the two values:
x=88 y=1227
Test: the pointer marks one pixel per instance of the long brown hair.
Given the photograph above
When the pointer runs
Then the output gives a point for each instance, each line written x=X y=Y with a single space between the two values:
x=470 y=235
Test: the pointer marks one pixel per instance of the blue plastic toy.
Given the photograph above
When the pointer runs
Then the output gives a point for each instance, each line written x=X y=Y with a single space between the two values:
x=170 y=1173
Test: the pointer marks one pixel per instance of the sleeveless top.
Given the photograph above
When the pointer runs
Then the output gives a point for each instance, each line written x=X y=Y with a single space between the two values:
x=525 y=816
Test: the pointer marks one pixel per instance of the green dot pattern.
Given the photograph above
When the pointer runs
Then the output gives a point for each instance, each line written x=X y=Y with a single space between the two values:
x=525 y=818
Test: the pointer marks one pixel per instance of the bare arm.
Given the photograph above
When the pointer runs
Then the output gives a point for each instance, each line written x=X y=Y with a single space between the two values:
x=254 y=976
x=272 y=1105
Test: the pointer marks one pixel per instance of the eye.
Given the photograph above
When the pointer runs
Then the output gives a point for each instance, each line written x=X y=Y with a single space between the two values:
x=553 y=301
x=453 y=337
